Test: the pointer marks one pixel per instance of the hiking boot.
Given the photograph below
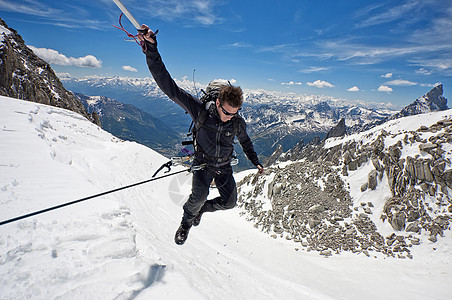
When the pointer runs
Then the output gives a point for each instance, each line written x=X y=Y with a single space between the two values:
x=197 y=219
x=181 y=234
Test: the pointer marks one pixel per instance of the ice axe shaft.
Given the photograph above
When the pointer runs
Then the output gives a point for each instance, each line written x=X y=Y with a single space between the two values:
x=128 y=14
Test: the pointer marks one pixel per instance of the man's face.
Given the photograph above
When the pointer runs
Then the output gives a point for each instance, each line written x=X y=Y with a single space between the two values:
x=226 y=111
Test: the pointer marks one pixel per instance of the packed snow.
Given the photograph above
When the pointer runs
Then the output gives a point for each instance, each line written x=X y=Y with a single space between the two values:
x=121 y=245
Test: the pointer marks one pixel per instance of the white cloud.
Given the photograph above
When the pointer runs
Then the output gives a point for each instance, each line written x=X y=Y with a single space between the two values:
x=291 y=83
x=353 y=89
x=423 y=71
x=63 y=75
x=387 y=75
x=129 y=68
x=320 y=84
x=54 y=57
x=384 y=88
x=400 y=82
x=232 y=80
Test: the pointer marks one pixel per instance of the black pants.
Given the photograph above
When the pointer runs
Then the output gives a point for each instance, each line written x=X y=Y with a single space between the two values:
x=197 y=202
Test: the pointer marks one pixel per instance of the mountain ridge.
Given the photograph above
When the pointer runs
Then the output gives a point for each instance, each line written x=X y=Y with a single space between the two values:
x=26 y=76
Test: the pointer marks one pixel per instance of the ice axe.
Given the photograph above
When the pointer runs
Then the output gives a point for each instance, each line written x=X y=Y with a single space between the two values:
x=129 y=16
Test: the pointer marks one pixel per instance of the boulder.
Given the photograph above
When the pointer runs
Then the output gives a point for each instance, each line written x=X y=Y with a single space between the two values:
x=427 y=147
x=372 y=179
x=398 y=221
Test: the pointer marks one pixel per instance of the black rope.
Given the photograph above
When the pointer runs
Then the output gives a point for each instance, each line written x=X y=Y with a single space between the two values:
x=87 y=198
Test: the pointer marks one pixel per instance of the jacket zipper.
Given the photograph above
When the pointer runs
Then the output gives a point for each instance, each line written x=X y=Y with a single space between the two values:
x=218 y=137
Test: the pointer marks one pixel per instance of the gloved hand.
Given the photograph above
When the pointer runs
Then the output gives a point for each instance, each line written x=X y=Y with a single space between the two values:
x=148 y=40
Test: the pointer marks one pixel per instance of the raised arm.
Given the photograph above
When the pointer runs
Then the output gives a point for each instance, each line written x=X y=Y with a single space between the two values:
x=162 y=77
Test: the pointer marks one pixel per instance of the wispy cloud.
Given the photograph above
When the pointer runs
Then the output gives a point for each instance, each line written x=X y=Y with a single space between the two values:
x=365 y=54
x=62 y=15
x=400 y=82
x=320 y=84
x=387 y=75
x=29 y=7
x=291 y=83
x=314 y=69
x=353 y=89
x=376 y=15
x=415 y=36
x=191 y=12
x=54 y=57
x=238 y=45
x=439 y=64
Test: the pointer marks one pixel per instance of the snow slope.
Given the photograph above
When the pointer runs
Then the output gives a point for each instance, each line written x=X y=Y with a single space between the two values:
x=120 y=246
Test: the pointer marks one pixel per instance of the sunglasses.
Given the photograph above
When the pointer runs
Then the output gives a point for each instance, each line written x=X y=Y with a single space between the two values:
x=228 y=113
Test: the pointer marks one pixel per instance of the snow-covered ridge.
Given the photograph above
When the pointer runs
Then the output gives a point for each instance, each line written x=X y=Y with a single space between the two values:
x=397 y=126
x=3 y=31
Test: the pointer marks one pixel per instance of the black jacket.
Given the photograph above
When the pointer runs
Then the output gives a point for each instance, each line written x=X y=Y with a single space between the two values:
x=215 y=138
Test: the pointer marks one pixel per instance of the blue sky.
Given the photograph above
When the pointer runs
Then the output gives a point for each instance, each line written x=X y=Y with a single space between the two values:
x=375 y=51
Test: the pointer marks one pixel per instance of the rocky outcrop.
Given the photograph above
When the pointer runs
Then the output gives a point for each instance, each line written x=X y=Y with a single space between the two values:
x=25 y=76
x=339 y=130
x=275 y=155
x=309 y=202
x=432 y=101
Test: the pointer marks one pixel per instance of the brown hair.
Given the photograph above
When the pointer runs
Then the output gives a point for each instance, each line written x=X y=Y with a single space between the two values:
x=233 y=95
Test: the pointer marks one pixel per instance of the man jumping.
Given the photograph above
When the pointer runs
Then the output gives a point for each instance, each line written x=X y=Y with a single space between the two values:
x=216 y=129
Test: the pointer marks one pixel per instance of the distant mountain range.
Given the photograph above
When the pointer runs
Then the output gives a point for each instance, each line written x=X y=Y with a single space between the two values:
x=272 y=117
x=130 y=123
x=430 y=102
x=143 y=93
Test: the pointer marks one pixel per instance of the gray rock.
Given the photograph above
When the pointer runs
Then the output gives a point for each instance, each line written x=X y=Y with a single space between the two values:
x=326 y=252
x=415 y=241
x=377 y=164
x=347 y=157
x=317 y=208
x=364 y=187
x=428 y=176
x=413 y=227
x=367 y=210
x=395 y=152
x=398 y=221
x=313 y=223
x=427 y=147
x=372 y=179
x=448 y=178
x=353 y=165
